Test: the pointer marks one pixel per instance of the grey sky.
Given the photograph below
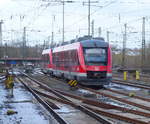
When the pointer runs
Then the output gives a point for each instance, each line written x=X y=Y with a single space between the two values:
x=37 y=16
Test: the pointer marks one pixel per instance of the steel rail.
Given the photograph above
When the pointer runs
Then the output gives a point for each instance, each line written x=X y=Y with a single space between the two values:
x=126 y=94
x=131 y=84
x=77 y=106
x=105 y=105
x=55 y=115
x=112 y=107
x=118 y=99
x=80 y=107
x=45 y=87
x=108 y=114
x=123 y=109
x=119 y=117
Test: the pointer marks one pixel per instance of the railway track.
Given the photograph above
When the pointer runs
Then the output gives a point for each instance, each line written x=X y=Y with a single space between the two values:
x=130 y=83
x=45 y=104
x=119 y=99
x=108 y=106
x=142 y=83
x=64 y=100
x=127 y=94
x=2 y=78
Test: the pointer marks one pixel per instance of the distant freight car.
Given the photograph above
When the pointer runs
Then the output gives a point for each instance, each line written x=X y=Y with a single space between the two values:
x=88 y=61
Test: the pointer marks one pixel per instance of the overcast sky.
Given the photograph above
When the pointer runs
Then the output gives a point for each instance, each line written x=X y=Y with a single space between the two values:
x=38 y=17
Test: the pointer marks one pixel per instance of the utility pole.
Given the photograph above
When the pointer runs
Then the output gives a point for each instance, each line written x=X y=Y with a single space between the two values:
x=6 y=54
x=124 y=45
x=44 y=44
x=92 y=26
x=52 y=38
x=1 y=42
x=63 y=18
x=143 y=44
x=89 y=14
x=1 y=39
x=36 y=46
x=63 y=14
x=99 y=32
x=24 y=42
x=63 y=30
x=108 y=36
x=48 y=43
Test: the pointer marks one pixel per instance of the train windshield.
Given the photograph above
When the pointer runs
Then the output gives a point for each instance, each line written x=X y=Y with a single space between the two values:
x=95 y=56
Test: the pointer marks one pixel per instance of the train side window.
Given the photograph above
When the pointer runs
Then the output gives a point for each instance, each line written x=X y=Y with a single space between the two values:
x=74 y=58
x=54 y=58
x=67 y=59
x=57 y=59
x=77 y=58
x=46 y=58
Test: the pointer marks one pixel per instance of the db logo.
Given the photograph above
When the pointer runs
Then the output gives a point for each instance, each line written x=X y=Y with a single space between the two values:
x=96 y=68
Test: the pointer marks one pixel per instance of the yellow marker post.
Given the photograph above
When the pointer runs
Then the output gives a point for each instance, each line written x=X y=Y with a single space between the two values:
x=137 y=75
x=132 y=94
x=125 y=75
x=10 y=84
x=73 y=82
x=70 y=82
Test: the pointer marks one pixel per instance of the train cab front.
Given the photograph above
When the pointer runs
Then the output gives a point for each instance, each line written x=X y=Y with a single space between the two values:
x=97 y=61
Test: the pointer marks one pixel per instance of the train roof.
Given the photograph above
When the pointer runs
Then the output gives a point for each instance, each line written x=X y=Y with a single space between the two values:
x=66 y=47
x=94 y=43
x=84 y=40
x=85 y=43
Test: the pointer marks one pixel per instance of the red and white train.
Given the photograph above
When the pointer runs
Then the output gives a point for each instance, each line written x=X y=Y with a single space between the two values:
x=87 y=61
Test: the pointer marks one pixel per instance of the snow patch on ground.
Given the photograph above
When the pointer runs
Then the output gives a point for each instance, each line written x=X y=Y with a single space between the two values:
x=125 y=87
x=28 y=111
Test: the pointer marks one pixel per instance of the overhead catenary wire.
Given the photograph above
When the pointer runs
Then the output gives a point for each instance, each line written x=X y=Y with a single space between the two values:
x=83 y=18
x=42 y=9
